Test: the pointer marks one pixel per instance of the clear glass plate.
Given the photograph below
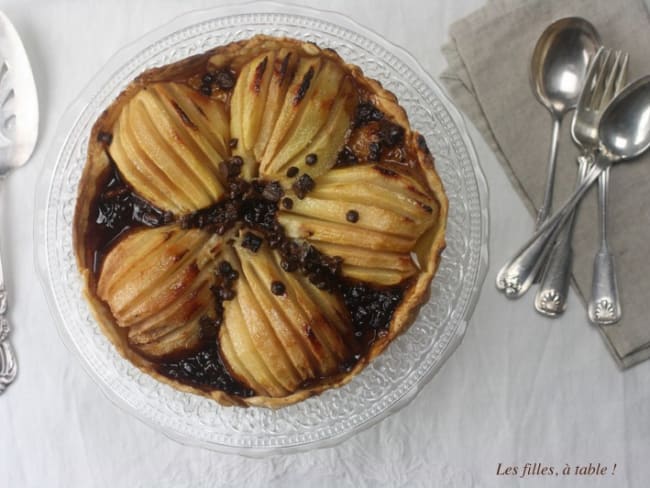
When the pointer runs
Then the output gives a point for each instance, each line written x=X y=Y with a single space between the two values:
x=394 y=378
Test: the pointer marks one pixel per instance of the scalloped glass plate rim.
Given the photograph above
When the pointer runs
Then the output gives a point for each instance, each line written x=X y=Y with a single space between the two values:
x=117 y=63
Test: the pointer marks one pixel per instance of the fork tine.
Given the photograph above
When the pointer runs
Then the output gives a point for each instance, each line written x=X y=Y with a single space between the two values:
x=621 y=79
x=601 y=81
x=611 y=76
x=592 y=74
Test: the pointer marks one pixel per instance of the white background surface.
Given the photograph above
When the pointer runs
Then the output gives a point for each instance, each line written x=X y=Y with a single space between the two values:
x=520 y=388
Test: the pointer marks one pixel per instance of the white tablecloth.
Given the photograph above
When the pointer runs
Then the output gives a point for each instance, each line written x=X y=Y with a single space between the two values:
x=520 y=388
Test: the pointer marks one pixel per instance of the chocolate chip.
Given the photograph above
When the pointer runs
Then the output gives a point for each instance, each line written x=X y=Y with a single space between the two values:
x=292 y=171
x=303 y=185
x=232 y=143
x=237 y=188
x=225 y=268
x=224 y=79
x=311 y=159
x=352 y=216
x=252 y=242
x=272 y=191
x=207 y=79
x=231 y=168
x=287 y=203
x=278 y=288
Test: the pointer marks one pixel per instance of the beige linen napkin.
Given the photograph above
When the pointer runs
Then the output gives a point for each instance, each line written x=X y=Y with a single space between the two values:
x=488 y=77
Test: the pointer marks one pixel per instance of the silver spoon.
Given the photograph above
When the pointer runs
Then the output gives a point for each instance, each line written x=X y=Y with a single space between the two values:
x=624 y=133
x=558 y=70
x=18 y=131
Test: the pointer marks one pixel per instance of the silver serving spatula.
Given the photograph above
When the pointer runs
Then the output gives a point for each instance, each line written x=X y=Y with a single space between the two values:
x=18 y=132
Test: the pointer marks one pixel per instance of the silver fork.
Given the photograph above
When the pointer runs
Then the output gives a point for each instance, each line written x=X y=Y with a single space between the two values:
x=606 y=76
x=604 y=306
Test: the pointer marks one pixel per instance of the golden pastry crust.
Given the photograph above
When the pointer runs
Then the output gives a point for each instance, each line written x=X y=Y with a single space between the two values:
x=418 y=165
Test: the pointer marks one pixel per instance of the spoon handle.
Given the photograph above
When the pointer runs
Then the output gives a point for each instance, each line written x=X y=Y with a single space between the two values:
x=604 y=307
x=517 y=275
x=552 y=294
x=544 y=211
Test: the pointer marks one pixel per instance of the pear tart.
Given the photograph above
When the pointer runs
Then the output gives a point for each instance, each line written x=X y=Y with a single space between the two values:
x=256 y=223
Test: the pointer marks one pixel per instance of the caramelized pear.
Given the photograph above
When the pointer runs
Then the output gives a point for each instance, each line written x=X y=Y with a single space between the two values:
x=168 y=143
x=286 y=105
x=157 y=283
x=280 y=331
x=373 y=226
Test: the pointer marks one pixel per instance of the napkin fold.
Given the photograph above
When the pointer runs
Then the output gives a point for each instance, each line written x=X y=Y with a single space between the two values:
x=488 y=76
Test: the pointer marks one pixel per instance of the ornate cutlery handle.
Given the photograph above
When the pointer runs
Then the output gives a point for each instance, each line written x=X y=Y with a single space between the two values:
x=604 y=307
x=8 y=365
x=552 y=294
x=518 y=274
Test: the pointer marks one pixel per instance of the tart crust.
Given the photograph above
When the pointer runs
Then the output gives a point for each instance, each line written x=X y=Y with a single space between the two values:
x=428 y=248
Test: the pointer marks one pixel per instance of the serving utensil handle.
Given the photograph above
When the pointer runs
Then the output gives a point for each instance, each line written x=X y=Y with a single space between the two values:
x=8 y=365
x=552 y=295
x=518 y=274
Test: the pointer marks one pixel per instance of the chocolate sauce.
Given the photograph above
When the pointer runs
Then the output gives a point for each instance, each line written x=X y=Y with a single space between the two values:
x=116 y=211
x=223 y=79
x=204 y=369
x=366 y=112
x=346 y=157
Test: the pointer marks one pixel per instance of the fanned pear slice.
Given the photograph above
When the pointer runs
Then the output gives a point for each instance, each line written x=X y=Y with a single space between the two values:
x=168 y=143
x=288 y=104
x=281 y=331
x=373 y=226
x=157 y=284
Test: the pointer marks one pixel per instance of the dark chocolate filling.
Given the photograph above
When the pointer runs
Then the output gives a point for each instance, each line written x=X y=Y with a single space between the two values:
x=204 y=369
x=116 y=210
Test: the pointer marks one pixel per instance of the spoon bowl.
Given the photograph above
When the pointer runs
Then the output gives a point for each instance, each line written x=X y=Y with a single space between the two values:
x=560 y=62
x=557 y=74
x=624 y=128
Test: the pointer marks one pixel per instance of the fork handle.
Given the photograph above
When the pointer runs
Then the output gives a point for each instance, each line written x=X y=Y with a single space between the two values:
x=604 y=307
x=8 y=365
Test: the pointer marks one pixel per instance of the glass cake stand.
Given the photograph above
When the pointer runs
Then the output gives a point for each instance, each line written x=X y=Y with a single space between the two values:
x=391 y=380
